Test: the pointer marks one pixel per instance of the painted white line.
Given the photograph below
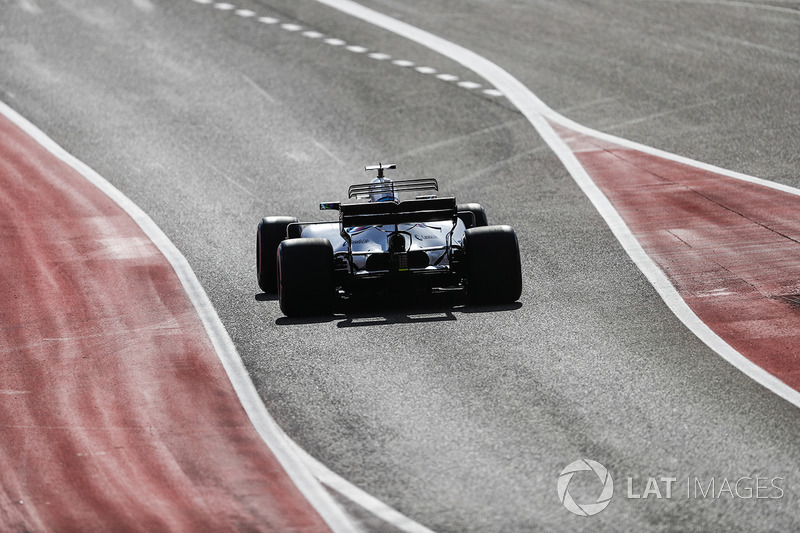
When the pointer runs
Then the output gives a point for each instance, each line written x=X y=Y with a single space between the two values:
x=265 y=425
x=358 y=496
x=538 y=114
x=246 y=13
x=564 y=121
x=469 y=84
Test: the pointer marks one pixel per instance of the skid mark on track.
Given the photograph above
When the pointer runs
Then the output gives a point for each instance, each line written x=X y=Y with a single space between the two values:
x=259 y=89
x=461 y=138
x=733 y=3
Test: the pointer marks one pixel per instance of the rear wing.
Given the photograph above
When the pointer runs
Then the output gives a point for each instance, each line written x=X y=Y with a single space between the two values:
x=363 y=190
x=374 y=214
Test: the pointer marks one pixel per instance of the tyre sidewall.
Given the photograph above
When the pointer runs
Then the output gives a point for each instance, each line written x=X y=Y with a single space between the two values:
x=494 y=270
x=305 y=277
x=478 y=212
x=271 y=232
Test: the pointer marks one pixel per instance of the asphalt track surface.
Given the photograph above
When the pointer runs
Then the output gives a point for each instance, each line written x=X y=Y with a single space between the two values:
x=461 y=418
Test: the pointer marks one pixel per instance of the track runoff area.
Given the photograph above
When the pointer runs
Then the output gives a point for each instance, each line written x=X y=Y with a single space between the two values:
x=121 y=407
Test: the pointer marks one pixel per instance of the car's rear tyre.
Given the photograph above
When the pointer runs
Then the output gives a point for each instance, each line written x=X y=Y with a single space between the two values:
x=477 y=219
x=305 y=277
x=271 y=231
x=494 y=269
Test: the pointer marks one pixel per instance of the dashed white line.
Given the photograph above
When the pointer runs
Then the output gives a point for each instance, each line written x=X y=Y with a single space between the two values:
x=356 y=49
x=426 y=70
x=469 y=84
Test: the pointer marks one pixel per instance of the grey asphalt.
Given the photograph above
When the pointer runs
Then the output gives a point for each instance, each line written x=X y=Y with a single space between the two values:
x=462 y=418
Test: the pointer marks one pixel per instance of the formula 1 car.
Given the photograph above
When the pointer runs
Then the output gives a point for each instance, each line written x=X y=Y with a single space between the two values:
x=389 y=248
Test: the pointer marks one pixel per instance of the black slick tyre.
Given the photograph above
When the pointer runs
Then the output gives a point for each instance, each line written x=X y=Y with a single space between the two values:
x=494 y=269
x=271 y=231
x=305 y=277
x=473 y=215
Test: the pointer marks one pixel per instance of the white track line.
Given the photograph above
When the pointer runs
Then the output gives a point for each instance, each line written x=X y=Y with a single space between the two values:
x=291 y=27
x=538 y=113
x=364 y=500
x=273 y=436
